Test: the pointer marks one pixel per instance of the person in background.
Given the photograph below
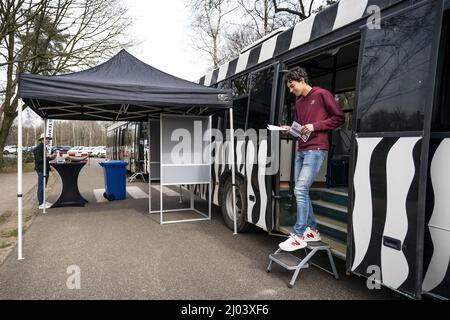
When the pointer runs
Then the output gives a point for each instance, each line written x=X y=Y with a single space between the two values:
x=318 y=112
x=38 y=153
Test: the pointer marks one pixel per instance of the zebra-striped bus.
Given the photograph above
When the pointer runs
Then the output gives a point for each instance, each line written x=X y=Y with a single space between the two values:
x=382 y=197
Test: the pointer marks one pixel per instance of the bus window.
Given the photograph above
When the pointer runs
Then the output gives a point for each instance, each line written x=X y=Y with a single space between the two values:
x=320 y=71
x=240 y=100
x=110 y=144
x=395 y=74
x=346 y=101
x=122 y=143
x=288 y=112
x=224 y=85
x=441 y=112
x=260 y=99
x=141 y=137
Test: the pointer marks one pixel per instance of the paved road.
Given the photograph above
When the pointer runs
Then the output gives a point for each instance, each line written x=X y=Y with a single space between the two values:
x=124 y=253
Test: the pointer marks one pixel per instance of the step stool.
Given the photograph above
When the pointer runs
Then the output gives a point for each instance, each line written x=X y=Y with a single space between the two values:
x=135 y=175
x=291 y=262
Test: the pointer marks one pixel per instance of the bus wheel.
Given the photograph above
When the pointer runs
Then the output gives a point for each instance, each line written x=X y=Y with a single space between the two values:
x=241 y=206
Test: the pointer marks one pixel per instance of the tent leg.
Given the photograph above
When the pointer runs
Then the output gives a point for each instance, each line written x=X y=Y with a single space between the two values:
x=19 y=185
x=211 y=163
x=161 y=219
x=233 y=178
x=45 y=165
x=149 y=169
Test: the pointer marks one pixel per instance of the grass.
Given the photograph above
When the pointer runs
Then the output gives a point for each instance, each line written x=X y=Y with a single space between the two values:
x=10 y=164
x=4 y=244
x=3 y=219
x=5 y=216
x=11 y=233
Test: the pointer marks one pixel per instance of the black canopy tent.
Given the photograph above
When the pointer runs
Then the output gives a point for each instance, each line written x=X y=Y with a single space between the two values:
x=120 y=89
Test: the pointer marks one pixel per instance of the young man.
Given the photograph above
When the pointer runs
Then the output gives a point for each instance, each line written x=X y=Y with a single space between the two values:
x=38 y=153
x=318 y=112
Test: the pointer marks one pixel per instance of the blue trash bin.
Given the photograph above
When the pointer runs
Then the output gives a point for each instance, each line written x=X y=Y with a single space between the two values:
x=115 y=173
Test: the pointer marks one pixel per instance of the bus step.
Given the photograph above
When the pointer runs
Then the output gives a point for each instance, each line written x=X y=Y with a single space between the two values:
x=291 y=262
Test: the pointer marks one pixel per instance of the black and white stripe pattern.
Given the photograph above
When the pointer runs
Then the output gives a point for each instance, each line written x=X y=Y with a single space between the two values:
x=437 y=229
x=386 y=181
x=385 y=205
x=332 y=18
x=250 y=163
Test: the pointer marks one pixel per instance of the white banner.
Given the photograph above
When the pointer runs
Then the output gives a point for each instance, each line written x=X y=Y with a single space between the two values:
x=49 y=131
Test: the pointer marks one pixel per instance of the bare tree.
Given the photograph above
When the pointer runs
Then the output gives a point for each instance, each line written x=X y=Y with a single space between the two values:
x=208 y=24
x=65 y=133
x=52 y=37
x=301 y=8
x=260 y=17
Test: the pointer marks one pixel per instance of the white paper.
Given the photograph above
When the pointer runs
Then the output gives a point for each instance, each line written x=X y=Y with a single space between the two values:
x=275 y=128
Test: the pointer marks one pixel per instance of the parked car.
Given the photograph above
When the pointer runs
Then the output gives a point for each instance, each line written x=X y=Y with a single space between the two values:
x=75 y=150
x=27 y=149
x=11 y=149
x=63 y=149
x=77 y=154
x=101 y=153
x=89 y=150
x=97 y=150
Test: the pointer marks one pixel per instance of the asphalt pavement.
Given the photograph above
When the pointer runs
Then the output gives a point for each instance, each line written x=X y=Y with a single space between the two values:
x=116 y=250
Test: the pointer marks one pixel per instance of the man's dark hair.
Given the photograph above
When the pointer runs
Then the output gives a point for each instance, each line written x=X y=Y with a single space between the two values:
x=297 y=74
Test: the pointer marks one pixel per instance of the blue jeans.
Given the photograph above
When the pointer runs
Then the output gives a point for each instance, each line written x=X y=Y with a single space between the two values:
x=307 y=166
x=40 y=189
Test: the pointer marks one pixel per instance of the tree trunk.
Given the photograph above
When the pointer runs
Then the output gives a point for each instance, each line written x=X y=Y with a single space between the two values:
x=6 y=124
x=266 y=17
x=9 y=105
x=74 y=137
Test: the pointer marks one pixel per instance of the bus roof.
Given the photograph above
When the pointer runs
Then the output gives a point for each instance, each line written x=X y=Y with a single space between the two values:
x=326 y=21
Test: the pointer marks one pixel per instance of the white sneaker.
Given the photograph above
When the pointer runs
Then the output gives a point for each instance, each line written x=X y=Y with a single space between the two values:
x=311 y=234
x=294 y=242
x=47 y=205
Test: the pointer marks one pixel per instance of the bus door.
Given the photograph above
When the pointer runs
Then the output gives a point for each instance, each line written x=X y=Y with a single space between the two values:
x=261 y=156
x=395 y=91
x=436 y=269
x=284 y=186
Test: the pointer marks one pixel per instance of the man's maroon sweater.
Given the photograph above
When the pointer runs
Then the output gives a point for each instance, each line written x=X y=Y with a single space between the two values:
x=320 y=109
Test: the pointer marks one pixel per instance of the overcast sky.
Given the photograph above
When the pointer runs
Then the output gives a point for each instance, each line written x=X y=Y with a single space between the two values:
x=162 y=28
x=162 y=32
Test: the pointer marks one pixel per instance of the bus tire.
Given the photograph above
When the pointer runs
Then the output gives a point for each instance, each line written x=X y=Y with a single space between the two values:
x=241 y=206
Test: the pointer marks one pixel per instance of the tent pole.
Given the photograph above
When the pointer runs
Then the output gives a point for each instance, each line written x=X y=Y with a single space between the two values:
x=44 y=168
x=19 y=185
x=160 y=172
x=149 y=169
x=233 y=178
